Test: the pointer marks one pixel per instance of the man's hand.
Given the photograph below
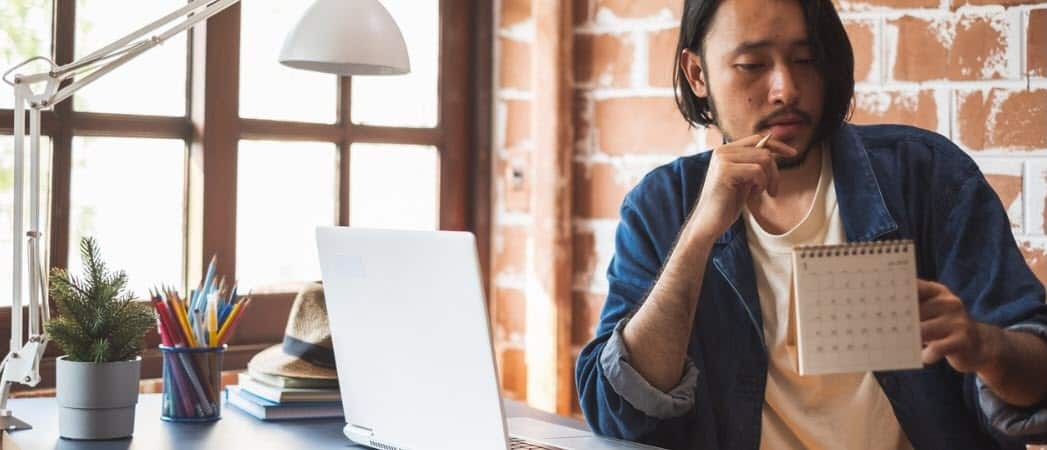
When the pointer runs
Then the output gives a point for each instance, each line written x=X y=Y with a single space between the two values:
x=948 y=332
x=736 y=172
x=1012 y=363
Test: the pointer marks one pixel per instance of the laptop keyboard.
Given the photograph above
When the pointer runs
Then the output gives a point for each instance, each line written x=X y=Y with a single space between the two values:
x=516 y=443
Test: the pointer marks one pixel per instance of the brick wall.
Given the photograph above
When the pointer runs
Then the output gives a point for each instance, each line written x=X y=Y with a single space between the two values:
x=972 y=70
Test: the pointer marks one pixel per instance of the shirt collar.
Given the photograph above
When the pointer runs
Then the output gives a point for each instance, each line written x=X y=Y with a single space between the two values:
x=863 y=209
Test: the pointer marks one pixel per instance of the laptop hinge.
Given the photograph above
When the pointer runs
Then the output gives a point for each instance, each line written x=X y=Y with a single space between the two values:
x=358 y=433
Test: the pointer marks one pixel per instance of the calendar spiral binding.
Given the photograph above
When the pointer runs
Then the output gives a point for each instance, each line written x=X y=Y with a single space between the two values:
x=855 y=248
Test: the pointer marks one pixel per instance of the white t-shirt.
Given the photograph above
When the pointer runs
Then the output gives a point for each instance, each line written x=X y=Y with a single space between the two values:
x=816 y=411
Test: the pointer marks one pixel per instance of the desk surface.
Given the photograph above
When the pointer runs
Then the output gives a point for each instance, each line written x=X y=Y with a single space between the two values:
x=236 y=429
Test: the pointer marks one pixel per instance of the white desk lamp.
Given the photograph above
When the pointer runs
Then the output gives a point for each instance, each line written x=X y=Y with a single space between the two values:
x=344 y=37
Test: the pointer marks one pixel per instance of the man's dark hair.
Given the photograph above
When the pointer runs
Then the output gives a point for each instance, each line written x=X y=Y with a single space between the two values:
x=829 y=45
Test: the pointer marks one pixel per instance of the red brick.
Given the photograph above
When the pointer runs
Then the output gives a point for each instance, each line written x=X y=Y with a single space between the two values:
x=858 y=5
x=510 y=313
x=641 y=8
x=909 y=108
x=959 y=3
x=514 y=12
x=1007 y=187
x=1002 y=119
x=514 y=66
x=863 y=41
x=645 y=125
x=1037 y=261
x=662 y=48
x=584 y=257
x=603 y=59
x=978 y=50
x=512 y=370
x=509 y=251
x=597 y=194
x=517 y=122
x=1037 y=45
x=585 y=316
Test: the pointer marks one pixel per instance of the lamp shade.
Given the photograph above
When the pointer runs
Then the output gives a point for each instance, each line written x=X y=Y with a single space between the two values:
x=346 y=37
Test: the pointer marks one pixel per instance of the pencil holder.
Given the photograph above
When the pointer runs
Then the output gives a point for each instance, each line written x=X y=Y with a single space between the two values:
x=192 y=382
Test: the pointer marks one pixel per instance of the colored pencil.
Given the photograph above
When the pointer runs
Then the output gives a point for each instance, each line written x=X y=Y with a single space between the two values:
x=234 y=319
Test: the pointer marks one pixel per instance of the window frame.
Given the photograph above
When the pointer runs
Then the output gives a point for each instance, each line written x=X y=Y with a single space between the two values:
x=212 y=129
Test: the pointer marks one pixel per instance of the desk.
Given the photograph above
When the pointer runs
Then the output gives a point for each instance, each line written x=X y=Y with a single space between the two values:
x=236 y=430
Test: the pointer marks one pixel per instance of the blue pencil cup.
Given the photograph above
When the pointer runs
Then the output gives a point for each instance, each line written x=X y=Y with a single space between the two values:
x=192 y=381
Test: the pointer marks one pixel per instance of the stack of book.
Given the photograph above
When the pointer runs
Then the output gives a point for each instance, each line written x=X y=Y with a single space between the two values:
x=274 y=397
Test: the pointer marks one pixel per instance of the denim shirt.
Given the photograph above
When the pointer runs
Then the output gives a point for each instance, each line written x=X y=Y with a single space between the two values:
x=892 y=182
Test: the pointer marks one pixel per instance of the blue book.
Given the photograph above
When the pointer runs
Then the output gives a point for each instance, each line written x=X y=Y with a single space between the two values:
x=269 y=410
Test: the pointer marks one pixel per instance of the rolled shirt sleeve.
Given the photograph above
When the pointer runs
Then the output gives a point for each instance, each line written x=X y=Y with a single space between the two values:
x=635 y=389
x=1013 y=420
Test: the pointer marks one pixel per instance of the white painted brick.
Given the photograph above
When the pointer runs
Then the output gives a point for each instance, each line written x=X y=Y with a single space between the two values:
x=943 y=101
x=1036 y=192
x=603 y=231
x=1015 y=41
x=1008 y=167
x=641 y=59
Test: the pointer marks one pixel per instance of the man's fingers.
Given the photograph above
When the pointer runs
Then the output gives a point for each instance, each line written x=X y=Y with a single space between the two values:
x=780 y=148
x=936 y=350
x=763 y=158
x=938 y=306
x=936 y=329
x=929 y=289
x=931 y=355
x=751 y=174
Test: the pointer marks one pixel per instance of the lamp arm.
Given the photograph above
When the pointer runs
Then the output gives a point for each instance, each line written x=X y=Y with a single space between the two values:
x=123 y=42
x=119 y=51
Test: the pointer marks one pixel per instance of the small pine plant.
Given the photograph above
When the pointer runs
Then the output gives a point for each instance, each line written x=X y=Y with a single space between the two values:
x=97 y=320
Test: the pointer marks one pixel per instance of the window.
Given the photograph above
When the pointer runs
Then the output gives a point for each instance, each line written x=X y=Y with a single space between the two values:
x=127 y=193
x=394 y=186
x=300 y=181
x=416 y=101
x=181 y=154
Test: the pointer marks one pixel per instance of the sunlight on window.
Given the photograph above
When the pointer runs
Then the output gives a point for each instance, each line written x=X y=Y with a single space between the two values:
x=129 y=195
x=25 y=32
x=154 y=82
x=394 y=186
x=7 y=159
x=268 y=90
x=405 y=100
x=284 y=191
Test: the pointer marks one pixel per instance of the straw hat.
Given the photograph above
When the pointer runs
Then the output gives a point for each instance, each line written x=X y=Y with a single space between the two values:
x=307 y=351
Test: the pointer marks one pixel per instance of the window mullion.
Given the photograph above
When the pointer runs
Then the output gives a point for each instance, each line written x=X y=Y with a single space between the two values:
x=64 y=45
x=215 y=95
x=453 y=114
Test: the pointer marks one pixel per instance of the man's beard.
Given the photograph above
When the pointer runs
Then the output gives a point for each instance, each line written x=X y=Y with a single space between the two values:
x=784 y=163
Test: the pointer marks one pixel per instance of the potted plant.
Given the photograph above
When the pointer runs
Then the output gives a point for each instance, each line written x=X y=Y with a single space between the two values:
x=100 y=327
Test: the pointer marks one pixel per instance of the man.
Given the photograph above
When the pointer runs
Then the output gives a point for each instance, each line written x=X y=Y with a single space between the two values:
x=690 y=349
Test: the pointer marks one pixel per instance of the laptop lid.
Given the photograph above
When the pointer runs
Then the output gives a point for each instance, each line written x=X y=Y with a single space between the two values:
x=411 y=338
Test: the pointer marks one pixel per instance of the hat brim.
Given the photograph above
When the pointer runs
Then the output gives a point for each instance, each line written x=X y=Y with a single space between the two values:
x=274 y=361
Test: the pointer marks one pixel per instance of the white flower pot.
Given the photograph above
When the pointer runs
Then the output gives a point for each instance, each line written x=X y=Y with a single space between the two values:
x=97 y=400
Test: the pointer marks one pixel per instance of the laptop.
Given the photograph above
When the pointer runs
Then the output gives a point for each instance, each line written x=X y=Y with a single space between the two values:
x=413 y=346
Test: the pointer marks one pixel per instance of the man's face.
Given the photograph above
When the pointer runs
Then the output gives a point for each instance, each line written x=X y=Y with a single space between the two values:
x=759 y=73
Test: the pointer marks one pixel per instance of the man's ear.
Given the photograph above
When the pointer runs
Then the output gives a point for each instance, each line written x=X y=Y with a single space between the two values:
x=691 y=64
